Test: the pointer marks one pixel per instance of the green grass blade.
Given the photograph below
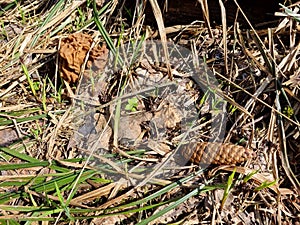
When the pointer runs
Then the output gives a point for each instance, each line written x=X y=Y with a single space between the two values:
x=162 y=191
x=22 y=120
x=228 y=187
x=171 y=206
x=18 y=155
x=54 y=11
x=104 y=33
x=264 y=185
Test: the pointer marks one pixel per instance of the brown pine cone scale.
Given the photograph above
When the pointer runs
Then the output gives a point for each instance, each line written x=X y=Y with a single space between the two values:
x=216 y=153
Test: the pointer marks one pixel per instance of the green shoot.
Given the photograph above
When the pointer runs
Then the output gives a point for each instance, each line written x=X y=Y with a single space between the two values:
x=31 y=83
x=36 y=131
x=249 y=176
x=204 y=98
x=232 y=109
x=265 y=184
x=63 y=204
x=56 y=94
x=228 y=187
x=80 y=20
x=288 y=111
x=132 y=104
x=44 y=96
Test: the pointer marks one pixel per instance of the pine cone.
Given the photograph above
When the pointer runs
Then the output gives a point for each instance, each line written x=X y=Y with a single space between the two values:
x=216 y=153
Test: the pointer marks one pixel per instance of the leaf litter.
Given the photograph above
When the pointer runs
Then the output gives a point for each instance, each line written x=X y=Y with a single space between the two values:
x=250 y=71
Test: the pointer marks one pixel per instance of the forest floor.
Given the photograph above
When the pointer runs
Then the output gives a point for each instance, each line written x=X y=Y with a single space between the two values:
x=109 y=119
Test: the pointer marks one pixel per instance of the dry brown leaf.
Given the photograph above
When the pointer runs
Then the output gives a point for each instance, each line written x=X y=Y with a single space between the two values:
x=130 y=125
x=159 y=147
x=8 y=136
x=168 y=117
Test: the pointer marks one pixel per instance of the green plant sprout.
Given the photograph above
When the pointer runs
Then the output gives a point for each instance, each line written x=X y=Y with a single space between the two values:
x=288 y=111
x=132 y=104
x=31 y=83
x=228 y=187
x=80 y=20
x=250 y=175
x=36 y=132
x=265 y=184
x=232 y=109
x=64 y=205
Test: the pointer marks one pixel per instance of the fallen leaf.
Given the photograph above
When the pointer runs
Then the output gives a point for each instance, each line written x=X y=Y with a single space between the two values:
x=168 y=117
x=7 y=136
x=130 y=125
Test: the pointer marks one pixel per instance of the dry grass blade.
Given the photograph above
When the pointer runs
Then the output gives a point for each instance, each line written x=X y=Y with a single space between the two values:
x=254 y=96
x=6 y=1
x=54 y=134
x=161 y=27
x=283 y=150
x=224 y=27
x=205 y=11
x=97 y=193
x=62 y=15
